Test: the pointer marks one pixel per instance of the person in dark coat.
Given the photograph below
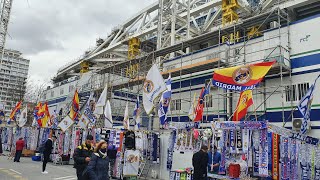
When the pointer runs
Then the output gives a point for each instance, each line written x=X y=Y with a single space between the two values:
x=19 y=148
x=200 y=162
x=98 y=167
x=82 y=156
x=46 y=153
x=112 y=155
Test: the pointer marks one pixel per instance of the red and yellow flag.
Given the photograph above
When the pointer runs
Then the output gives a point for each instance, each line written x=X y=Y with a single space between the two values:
x=241 y=78
x=15 y=110
x=38 y=113
x=46 y=115
x=75 y=109
x=245 y=101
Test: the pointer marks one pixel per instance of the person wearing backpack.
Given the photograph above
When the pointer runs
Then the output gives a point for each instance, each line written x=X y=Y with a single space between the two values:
x=82 y=156
x=48 y=146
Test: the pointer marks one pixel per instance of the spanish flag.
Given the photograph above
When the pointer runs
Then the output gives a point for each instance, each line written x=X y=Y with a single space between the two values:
x=241 y=78
x=75 y=109
x=38 y=113
x=46 y=115
x=245 y=101
x=15 y=111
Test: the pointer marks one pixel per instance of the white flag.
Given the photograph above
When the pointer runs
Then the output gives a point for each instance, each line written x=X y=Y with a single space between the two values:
x=65 y=123
x=101 y=102
x=108 y=115
x=153 y=86
x=23 y=118
x=126 y=123
x=192 y=113
x=84 y=121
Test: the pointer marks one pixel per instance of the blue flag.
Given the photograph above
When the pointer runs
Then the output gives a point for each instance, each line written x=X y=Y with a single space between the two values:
x=304 y=107
x=165 y=102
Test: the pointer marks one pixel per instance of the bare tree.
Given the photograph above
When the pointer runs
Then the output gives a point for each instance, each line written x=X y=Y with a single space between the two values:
x=34 y=90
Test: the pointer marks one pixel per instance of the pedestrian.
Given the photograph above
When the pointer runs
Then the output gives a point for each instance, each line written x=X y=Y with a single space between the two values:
x=112 y=155
x=48 y=146
x=214 y=160
x=82 y=156
x=98 y=167
x=200 y=162
x=19 y=148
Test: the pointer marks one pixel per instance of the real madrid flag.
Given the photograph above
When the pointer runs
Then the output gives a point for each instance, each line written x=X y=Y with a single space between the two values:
x=23 y=118
x=165 y=102
x=153 y=86
x=65 y=123
x=240 y=78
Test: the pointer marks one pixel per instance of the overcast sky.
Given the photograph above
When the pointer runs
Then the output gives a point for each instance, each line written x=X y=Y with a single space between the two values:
x=53 y=32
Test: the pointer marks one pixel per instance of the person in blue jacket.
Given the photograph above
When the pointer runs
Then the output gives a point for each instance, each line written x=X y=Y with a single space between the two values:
x=214 y=158
x=98 y=167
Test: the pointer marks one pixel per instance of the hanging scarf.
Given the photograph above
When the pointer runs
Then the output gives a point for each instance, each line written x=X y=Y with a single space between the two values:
x=275 y=156
x=155 y=148
x=239 y=140
x=284 y=150
x=263 y=157
x=245 y=140
x=170 y=149
x=222 y=168
x=270 y=154
x=293 y=159
x=256 y=154
x=232 y=141
x=304 y=162
x=317 y=164
x=66 y=145
x=312 y=165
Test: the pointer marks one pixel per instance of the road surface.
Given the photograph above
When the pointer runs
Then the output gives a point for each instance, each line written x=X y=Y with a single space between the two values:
x=31 y=170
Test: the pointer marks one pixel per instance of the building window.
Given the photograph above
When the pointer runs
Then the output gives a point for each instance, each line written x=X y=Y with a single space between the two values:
x=52 y=93
x=296 y=92
x=175 y=105
x=208 y=100
x=71 y=88
x=61 y=91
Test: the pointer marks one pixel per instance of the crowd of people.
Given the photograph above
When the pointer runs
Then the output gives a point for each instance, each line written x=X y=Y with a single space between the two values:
x=93 y=163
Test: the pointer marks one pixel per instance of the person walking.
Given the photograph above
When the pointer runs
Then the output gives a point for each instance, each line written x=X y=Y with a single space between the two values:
x=200 y=162
x=98 y=167
x=214 y=160
x=19 y=148
x=48 y=146
x=82 y=156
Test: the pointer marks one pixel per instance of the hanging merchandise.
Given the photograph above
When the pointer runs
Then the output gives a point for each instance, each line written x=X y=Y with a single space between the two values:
x=66 y=145
x=317 y=164
x=131 y=162
x=60 y=143
x=118 y=165
x=245 y=139
x=304 y=169
x=139 y=140
x=129 y=140
x=73 y=138
x=223 y=145
x=284 y=154
x=293 y=159
x=170 y=149
x=263 y=157
x=98 y=135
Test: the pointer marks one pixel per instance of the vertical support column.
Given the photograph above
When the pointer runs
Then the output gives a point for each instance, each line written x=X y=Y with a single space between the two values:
x=160 y=19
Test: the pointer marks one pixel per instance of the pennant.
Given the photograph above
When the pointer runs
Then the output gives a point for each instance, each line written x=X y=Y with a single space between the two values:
x=245 y=101
x=304 y=107
x=101 y=102
x=126 y=123
x=23 y=118
x=15 y=112
x=165 y=102
x=136 y=114
x=65 y=123
x=108 y=122
x=75 y=107
x=2 y=114
x=241 y=78
x=88 y=109
x=153 y=86
x=84 y=121
x=192 y=112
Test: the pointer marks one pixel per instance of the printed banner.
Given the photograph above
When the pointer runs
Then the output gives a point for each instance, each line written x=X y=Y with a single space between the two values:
x=252 y=125
x=240 y=78
x=131 y=162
